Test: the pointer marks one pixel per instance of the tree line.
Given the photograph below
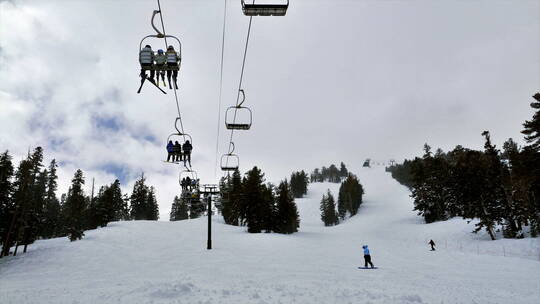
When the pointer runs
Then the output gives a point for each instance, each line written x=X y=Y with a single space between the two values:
x=500 y=188
x=348 y=203
x=248 y=201
x=331 y=174
x=31 y=210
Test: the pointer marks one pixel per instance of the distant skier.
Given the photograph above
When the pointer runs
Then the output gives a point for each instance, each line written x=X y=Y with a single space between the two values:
x=188 y=183
x=170 y=151
x=177 y=149
x=187 y=147
x=367 y=257
x=432 y=243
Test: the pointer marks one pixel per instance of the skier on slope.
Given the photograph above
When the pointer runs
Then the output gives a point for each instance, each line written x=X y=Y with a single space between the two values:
x=367 y=257
x=432 y=243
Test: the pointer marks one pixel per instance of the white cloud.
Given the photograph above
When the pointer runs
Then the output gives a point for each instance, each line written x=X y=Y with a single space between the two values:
x=371 y=79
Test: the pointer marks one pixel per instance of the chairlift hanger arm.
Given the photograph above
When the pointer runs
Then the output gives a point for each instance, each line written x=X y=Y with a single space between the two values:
x=159 y=34
x=243 y=98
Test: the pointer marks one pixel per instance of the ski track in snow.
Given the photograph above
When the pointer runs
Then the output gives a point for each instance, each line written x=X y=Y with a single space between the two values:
x=167 y=262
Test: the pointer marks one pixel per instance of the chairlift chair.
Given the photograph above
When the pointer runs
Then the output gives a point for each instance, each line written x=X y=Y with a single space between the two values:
x=243 y=113
x=264 y=9
x=230 y=161
x=161 y=35
x=192 y=174
x=185 y=137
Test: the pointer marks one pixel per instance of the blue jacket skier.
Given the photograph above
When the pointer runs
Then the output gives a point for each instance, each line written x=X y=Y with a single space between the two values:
x=170 y=151
x=367 y=257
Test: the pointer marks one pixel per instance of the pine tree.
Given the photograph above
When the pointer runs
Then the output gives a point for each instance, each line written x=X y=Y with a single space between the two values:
x=52 y=211
x=33 y=212
x=153 y=207
x=139 y=199
x=328 y=210
x=257 y=209
x=531 y=166
x=110 y=204
x=287 y=219
x=268 y=218
x=298 y=184
x=22 y=201
x=343 y=172
x=75 y=207
x=232 y=211
x=350 y=196
x=179 y=210
x=7 y=208
x=125 y=210
x=532 y=127
x=429 y=190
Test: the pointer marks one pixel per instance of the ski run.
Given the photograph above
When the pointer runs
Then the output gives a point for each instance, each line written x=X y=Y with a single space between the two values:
x=167 y=262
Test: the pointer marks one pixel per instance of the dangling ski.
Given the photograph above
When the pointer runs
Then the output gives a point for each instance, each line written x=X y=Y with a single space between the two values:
x=152 y=82
x=368 y=267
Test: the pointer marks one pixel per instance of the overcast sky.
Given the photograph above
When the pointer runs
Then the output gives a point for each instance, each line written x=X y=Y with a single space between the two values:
x=331 y=81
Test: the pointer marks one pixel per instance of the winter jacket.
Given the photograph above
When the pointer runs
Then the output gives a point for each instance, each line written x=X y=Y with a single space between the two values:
x=161 y=59
x=146 y=56
x=172 y=57
x=177 y=148
x=170 y=147
x=366 y=250
x=187 y=147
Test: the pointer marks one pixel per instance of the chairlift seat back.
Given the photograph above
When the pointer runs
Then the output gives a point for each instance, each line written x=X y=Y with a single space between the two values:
x=264 y=9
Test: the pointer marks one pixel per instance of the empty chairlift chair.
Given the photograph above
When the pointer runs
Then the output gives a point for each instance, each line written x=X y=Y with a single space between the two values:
x=238 y=117
x=264 y=9
x=230 y=161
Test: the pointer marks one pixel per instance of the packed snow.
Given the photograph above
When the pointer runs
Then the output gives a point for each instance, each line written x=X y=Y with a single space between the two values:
x=167 y=262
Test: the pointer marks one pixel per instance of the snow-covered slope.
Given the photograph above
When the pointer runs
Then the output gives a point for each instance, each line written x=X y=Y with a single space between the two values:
x=164 y=262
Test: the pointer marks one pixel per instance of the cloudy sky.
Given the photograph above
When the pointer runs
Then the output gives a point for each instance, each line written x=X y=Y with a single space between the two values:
x=332 y=81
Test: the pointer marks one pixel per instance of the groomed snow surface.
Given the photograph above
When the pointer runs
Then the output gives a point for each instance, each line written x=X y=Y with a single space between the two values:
x=167 y=262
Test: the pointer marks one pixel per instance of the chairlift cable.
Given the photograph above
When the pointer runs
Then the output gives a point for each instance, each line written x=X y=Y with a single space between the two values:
x=174 y=87
x=220 y=86
x=240 y=82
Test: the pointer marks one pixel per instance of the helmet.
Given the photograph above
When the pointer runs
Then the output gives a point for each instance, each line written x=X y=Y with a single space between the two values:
x=170 y=47
x=147 y=46
x=160 y=51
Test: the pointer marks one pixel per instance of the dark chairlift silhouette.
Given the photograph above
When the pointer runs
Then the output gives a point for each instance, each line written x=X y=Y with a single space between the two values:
x=244 y=113
x=192 y=174
x=264 y=9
